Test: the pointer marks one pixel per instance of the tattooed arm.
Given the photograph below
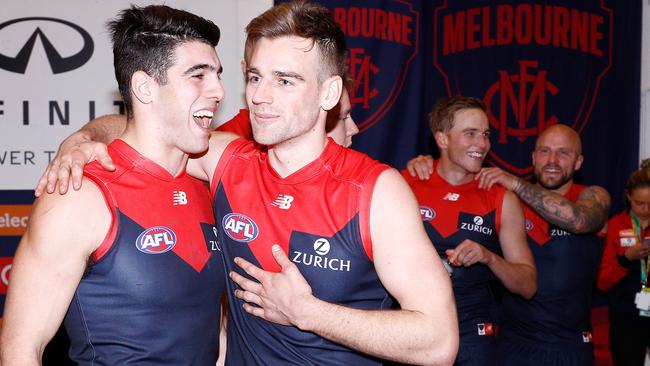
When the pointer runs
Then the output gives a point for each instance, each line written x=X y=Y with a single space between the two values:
x=587 y=215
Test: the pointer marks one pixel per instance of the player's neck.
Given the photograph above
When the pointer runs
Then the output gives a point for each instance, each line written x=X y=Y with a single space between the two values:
x=170 y=158
x=290 y=156
x=452 y=173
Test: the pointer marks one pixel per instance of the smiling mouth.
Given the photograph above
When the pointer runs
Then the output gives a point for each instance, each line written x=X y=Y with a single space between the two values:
x=475 y=155
x=203 y=118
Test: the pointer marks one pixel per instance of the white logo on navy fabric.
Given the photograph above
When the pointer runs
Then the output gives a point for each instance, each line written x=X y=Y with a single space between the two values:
x=477 y=226
x=283 y=201
x=427 y=213
x=156 y=240
x=529 y=225
x=322 y=246
x=179 y=198
x=239 y=227
x=214 y=244
x=451 y=196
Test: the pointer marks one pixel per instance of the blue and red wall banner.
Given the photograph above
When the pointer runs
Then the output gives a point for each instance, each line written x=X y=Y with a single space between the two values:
x=534 y=63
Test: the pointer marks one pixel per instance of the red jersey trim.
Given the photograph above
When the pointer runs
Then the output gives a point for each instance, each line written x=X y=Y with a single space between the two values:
x=109 y=239
x=365 y=201
x=227 y=155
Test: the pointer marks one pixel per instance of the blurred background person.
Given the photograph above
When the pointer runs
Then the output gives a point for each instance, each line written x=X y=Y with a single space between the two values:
x=623 y=271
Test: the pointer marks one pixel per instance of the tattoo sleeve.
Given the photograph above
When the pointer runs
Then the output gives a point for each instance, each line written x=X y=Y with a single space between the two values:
x=587 y=215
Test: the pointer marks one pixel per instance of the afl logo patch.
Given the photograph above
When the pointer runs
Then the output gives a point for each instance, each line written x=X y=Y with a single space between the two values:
x=240 y=227
x=427 y=213
x=156 y=240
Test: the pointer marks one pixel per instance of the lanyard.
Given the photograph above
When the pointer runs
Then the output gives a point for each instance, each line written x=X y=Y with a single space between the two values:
x=645 y=263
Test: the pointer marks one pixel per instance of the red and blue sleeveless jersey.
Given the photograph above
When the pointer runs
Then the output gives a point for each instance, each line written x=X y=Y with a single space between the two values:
x=558 y=316
x=152 y=291
x=452 y=214
x=319 y=215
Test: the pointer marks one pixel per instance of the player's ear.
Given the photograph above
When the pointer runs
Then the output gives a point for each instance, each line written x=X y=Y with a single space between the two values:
x=578 y=162
x=442 y=140
x=141 y=87
x=331 y=90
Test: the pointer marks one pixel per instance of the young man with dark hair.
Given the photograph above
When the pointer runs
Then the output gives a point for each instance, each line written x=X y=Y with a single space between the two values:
x=128 y=259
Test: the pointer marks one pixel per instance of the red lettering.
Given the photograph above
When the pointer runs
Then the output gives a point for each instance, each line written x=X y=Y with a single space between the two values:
x=407 y=30
x=523 y=24
x=560 y=27
x=487 y=41
x=454 y=33
x=543 y=31
x=472 y=28
x=368 y=27
x=504 y=25
x=579 y=30
x=354 y=24
x=393 y=27
x=382 y=22
x=596 y=35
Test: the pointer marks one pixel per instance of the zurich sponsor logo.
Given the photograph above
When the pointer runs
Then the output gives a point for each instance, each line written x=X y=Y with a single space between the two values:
x=240 y=227
x=427 y=213
x=156 y=240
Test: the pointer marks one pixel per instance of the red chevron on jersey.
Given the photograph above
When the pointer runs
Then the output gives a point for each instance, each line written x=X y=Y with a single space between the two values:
x=457 y=208
x=297 y=203
x=172 y=194
x=537 y=228
x=319 y=215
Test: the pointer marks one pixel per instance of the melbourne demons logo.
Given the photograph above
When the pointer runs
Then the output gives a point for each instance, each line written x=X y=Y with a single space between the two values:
x=240 y=227
x=156 y=240
x=370 y=25
x=427 y=213
x=534 y=64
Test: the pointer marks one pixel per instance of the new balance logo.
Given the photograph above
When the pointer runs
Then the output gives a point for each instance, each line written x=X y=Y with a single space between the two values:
x=179 y=198
x=283 y=201
x=451 y=196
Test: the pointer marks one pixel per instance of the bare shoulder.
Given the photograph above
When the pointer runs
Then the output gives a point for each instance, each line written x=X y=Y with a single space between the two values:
x=81 y=218
x=511 y=207
x=390 y=181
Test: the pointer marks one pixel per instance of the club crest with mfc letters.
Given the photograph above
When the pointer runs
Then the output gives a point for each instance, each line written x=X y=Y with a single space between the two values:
x=382 y=37
x=534 y=64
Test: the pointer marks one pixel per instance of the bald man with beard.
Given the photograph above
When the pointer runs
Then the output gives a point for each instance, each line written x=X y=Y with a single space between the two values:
x=563 y=220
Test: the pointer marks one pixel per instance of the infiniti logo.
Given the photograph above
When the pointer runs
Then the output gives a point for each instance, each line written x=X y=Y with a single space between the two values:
x=58 y=63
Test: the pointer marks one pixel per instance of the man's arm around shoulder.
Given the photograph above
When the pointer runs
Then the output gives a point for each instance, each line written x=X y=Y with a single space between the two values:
x=62 y=233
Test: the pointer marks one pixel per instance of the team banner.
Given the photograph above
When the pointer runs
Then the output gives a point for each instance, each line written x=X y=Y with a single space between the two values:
x=534 y=63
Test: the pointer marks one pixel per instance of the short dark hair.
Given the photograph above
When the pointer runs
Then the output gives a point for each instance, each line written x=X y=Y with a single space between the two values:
x=145 y=38
x=305 y=20
x=441 y=118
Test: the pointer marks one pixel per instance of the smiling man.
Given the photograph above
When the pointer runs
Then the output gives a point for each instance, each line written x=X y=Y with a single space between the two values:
x=562 y=219
x=126 y=260
x=471 y=226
